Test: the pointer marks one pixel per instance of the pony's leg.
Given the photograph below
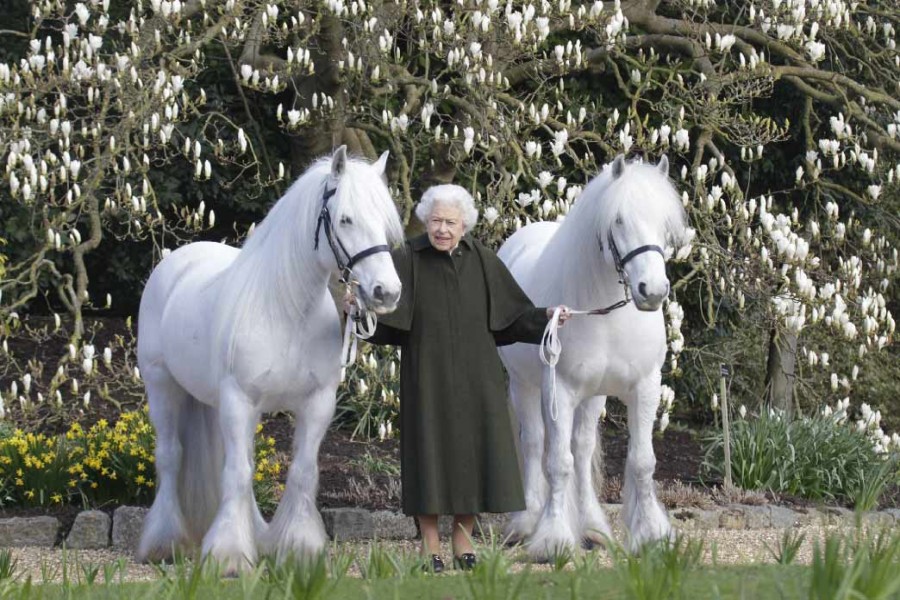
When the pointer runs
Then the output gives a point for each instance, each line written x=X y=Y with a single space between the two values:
x=296 y=529
x=230 y=540
x=554 y=530
x=527 y=404
x=644 y=517
x=591 y=522
x=164 y=528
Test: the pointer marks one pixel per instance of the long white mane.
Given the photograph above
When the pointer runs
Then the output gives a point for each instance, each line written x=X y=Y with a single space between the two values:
x=274 y=275
x=572 y=262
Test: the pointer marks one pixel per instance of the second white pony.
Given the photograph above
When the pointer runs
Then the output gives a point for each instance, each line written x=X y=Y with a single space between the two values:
x=611 y=244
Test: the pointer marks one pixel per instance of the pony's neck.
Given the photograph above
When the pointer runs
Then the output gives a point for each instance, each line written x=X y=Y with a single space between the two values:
x=278 y=275
x=573 y=269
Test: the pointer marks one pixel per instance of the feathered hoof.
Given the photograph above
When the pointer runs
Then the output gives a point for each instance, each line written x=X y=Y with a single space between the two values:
x=163 y=537
x=232 y=552
x=649 y=534
x=521 y=526
x=551 y=538
x=153 y=553
x=596 y=535
x=230 y=565
x=292 y=538
x=293 y=548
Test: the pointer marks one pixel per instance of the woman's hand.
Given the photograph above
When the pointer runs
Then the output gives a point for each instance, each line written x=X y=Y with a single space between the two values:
x=564 y=313
x=349 y=302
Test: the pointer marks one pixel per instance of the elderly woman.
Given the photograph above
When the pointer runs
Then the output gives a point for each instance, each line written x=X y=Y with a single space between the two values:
x=458 y=454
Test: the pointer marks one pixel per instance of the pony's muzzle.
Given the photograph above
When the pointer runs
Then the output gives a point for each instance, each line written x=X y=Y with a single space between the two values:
x=383 y=299
x=650 y=297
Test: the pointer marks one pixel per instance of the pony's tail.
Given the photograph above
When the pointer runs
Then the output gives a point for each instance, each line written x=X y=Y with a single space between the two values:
x=202 y=460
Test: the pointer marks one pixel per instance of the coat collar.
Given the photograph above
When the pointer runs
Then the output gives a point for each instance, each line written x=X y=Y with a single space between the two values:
x=421 y=242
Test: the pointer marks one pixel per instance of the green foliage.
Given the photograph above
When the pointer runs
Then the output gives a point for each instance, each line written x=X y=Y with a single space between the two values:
x=380 y=563
x=8 y=565
x=369 y=399
x=306 y=578
x=491 y=579
x=788 y=547
x=818 y=457
x=860 y=566
x=375 y=465
x=660 y=570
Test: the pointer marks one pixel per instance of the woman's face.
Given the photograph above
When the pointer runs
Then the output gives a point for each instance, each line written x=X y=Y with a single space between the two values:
x=445 y=226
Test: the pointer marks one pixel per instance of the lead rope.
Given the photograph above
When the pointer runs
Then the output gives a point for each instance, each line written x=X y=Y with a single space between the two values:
x=549 y=351
x=360 y=325
x=551 y=346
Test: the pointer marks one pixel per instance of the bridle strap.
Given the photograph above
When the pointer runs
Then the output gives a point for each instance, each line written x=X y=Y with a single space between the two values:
x=344 y=260
x=367 y=252
x=641 y=250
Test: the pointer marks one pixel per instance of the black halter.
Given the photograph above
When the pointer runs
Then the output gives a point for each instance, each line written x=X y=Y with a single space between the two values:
x=620 y=262
x=343 y=258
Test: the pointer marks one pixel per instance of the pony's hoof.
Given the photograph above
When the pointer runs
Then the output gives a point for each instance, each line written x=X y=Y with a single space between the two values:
x=551 y=538
x=596 y=536
x=230 y=566
x=520 y=528
x=637 y=540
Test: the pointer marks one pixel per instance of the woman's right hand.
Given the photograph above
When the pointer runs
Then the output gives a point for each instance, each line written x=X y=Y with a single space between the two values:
x=349 y=302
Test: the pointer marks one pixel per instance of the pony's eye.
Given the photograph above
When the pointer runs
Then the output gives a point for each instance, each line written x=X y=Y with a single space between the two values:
x=345 y=220
x=619 y=220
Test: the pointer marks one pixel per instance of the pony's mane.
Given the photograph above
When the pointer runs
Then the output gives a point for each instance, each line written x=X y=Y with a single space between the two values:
x=640 y=194
x=276 y=274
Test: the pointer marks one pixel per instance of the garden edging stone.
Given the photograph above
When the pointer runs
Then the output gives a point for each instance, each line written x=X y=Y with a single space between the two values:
x=126 y=527
x=92 y=529
x=29 y=531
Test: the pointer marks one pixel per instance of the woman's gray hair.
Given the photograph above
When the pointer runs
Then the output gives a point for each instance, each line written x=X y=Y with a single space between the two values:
x=448 y=194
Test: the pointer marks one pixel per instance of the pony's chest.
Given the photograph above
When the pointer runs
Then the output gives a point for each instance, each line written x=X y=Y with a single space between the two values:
x=611 y=356
x=277 y=367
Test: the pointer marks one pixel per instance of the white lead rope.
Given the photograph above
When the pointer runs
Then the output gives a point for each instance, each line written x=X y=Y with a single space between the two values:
x=551 y=347
x=360 y=325
x=549 y=351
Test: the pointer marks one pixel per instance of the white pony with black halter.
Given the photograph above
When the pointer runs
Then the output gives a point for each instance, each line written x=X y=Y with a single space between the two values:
x=609 y=254
x=225 y=335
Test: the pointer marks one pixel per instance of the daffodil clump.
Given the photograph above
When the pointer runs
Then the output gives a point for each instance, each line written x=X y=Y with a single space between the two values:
x=100 y=465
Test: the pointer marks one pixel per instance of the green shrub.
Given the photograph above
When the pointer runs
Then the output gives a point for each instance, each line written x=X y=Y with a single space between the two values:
x=369 y=400
x=820 y=458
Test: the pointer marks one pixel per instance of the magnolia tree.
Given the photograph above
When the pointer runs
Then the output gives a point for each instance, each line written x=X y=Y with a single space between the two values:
x=779 y=116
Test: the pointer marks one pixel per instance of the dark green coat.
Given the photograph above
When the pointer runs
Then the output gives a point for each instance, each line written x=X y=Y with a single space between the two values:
x=458 y=453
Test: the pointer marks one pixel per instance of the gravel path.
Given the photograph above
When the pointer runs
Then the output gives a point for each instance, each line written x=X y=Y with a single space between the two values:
x=728 y=547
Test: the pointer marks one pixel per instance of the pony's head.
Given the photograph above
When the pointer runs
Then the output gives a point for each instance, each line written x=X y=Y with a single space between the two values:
x=640 y=216
x=357 y=224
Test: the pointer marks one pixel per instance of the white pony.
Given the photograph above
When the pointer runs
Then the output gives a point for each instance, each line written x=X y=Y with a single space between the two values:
x=226 y=334
x=609 y=246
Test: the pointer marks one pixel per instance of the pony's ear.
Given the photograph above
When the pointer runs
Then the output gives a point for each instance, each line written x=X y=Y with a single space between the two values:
x=381 y=164
x=663 y=165
x=338 y=162
x=618 y=166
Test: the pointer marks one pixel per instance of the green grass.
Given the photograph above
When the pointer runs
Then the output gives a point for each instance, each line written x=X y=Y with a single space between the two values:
x=851 y=565
x=769 y=581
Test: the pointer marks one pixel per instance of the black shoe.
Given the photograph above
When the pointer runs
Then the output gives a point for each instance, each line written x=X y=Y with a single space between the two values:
x=435 y=565
x=464 y=562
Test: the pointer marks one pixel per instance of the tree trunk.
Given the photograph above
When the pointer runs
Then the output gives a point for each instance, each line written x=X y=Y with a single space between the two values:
x=780 y=371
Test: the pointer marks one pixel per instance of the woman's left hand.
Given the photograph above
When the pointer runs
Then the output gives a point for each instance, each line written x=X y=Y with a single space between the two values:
x=564 y=313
